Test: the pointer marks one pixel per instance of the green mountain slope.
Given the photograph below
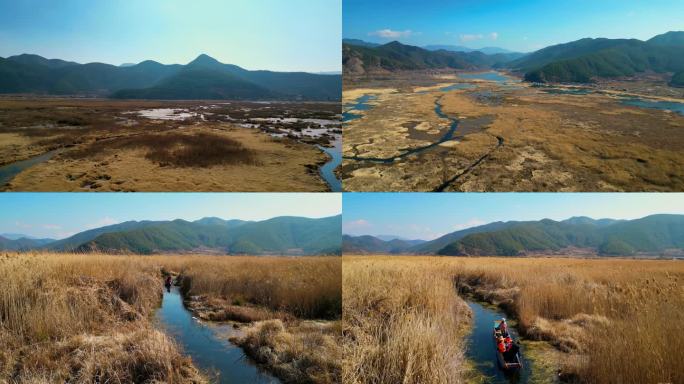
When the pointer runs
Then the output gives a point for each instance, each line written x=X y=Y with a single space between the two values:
x=198 y=83
x=672 y=38
x=652 y=234
x=395 y=56
x=22 y=243
x=370 y=244
x=281 y=235
x=203 y=78
x=583 y=60
x=677 y=79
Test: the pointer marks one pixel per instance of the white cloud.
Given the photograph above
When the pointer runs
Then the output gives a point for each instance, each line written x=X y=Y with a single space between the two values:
x=23 y=225
x=467 y=37
x=391 y=34
x=470 y=223
x=494 y=35
x=52 y=226
x=356 y=225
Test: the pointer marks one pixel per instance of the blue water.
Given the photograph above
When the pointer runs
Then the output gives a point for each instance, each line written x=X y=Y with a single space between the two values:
x=481 y=351
x=327 y=171
x=457 y=86
x=490 y=76
x=209 y=349
x=9 y=171
x=662 y=105
x=360 y=104
x=567 y=91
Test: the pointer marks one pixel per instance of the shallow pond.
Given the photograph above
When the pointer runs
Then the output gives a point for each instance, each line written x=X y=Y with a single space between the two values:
x=360 y=104
x=208 y=344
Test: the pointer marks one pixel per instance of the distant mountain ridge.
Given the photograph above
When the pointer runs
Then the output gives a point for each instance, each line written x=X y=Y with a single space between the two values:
x=584 y=60
x=203 y=78
x=22 y=243
x=277 y=236
x=395 y=56
x=655 y=235
x=581 y=61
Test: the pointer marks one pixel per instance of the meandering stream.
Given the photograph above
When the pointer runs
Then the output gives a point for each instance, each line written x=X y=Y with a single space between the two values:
x=207 y=344
x=327 y=170
x=10 y=171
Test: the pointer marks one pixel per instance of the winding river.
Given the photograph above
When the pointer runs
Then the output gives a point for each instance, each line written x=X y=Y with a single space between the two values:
x=208 y=345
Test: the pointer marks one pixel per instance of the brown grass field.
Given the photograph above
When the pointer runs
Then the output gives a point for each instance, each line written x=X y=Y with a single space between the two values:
x=105 y=145
x=517 y=138
x=89 y=317
x=612 y=321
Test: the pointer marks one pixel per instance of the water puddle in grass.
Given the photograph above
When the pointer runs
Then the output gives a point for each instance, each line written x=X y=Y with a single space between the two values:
x=655 y=104
x=9 y=171
x=360 y=104
x=208 y=345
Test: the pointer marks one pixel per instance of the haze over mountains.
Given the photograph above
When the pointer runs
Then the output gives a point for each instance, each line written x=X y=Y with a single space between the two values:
x=580 y=61
x=284 y=235
x=203 y=78
x=652 y=235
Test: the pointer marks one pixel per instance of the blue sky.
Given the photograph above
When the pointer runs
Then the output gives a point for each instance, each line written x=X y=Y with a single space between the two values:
x=519 y=25
x=430 y=215
x=255 y=34
x=59 y=215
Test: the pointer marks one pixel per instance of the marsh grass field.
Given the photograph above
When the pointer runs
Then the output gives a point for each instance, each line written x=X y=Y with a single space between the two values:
x=119 y=145
x=86 y=318
x=511 y=135
x=608 y=320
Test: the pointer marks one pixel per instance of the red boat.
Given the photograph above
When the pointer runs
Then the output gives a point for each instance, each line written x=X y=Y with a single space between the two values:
x=508 y=360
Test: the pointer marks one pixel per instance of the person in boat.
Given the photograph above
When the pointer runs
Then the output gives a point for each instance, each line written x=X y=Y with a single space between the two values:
x=168 y=282
x=508 y=342
x=503 y=328
x=500 y=344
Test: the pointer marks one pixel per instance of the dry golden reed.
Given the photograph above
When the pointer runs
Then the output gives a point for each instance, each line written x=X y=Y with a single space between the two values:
x=617 y=320
x=402 y=322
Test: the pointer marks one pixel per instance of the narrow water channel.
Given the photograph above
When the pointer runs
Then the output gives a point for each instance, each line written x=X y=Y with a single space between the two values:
x=208 y=344
x=480 y=349
x=327 y=170
x=10 y=171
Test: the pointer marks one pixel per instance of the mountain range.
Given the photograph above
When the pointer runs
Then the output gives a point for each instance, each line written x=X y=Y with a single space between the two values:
x=284 y=235
x=203 y=78
x=651 y=235
x=580 y=61
x=394 y=56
